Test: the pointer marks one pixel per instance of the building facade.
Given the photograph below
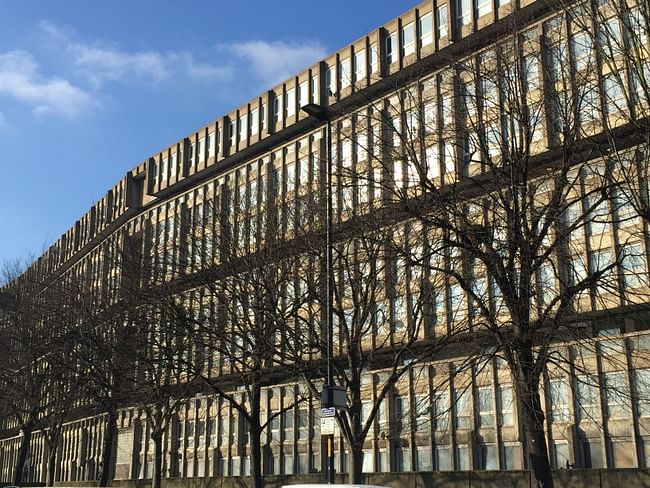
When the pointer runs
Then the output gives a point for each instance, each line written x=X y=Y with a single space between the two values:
x=440 y=86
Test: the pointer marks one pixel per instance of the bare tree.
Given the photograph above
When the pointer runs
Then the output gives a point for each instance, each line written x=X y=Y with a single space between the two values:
x=243 y=298
x=36 y=390
x=502 y=201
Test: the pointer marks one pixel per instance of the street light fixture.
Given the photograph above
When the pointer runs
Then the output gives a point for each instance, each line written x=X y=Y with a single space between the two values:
x=322 y=114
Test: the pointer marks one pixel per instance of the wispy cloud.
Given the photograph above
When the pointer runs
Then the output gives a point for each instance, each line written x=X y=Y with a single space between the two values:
x=21 y=79
x=101 y=62
x=84 y=69
x=272 y=62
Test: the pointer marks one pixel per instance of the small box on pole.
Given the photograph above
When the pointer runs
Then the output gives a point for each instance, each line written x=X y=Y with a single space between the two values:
x=334 y=396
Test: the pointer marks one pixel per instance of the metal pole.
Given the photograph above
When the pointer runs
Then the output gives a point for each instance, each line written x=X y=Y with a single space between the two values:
x=330 y=294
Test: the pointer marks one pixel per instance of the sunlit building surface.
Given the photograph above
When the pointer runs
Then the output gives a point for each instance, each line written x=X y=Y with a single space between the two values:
x=434 y=85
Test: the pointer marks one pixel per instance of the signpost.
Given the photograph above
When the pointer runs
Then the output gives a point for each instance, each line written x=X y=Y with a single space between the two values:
x=327 y=425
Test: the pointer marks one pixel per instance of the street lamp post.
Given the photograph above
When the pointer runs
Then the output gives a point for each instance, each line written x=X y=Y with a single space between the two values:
x=322 y=114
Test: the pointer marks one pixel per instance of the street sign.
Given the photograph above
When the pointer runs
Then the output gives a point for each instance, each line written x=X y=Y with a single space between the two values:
x=327 y=425
x=328 y=412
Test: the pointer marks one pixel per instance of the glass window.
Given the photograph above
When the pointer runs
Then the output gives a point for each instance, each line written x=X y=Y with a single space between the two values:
x=441 y=411
x=464 y=9
x=345 y=72
x=559 y=396
x=614 y=95
x=426 y=29
x=391 y=48
x=277 y=109
x=243 y=131
x=368 y=463
x=510 y=457
x=483 y=7
x=634 y=269
x=314 y=88
x=462 y=458
x=462 y=409
x=173 y=163
x=290 y=102
x=443 y=458
x=424 y=458
x=231 y=135
x=303 y=94
x=211 y=144
x=360 y=65
x=587 y=398
x=488 y=456
x=610 y=38
x=263 y=116
x=408 y=39
x=442 y=22
x=255 y=121
x=561 y=455
x=616 y=395
x=330 y=80
x=589 y=101
x=374 y=58
x=642 y=385
x=592 y=453
x=485 y=407
x=422 y=409
x=582 y=50
x=164 y=167
x=506 y=405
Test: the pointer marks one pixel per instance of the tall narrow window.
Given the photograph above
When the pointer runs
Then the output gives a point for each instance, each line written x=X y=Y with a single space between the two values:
x=314 y=88
x=408 y=39
x=255 y=121
x=330 y=80
x=277 y=109
x=374 y=58
x=506 y=405
x=426 y=29
x=211 y=144
x=243 y=128
x=360 y=65
x=559 y=396
x=303 y=94
x=344 y=67
x=290 y=102
x=485 y=407
x=442 y=22
x=464 y=11
x=483 y=7
x=391 y=48
x=614 y=95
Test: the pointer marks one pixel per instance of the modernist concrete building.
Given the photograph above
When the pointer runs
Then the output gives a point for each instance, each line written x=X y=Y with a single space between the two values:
x=439 y=85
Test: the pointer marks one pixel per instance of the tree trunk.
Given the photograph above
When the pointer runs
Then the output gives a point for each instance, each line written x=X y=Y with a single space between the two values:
x=256 y=456
x=108 y=447
x=22 y=455
x=356 y=464
x=533 y=424
x=51 y=460
x=156 y=480
x=255 y=431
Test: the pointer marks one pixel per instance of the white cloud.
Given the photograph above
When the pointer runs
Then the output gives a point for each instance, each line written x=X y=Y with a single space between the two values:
x=100 y=62
x=20 y=79
x=275 y=61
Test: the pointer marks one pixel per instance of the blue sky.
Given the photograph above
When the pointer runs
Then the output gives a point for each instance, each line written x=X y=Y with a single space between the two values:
x=91 y=88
